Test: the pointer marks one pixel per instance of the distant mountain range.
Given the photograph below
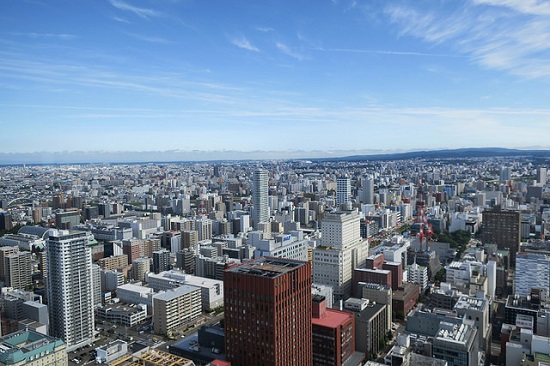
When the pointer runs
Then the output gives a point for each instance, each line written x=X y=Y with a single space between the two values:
x=132 y=157
x=483 y=152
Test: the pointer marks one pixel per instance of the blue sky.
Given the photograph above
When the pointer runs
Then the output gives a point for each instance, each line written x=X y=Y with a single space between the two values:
x=303 y=77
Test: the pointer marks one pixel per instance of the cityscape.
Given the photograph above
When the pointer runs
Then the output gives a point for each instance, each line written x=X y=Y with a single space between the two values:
x=435 y=261
x=278 y=183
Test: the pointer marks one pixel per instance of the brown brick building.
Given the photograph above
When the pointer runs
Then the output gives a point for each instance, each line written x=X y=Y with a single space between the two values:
x=267 y=305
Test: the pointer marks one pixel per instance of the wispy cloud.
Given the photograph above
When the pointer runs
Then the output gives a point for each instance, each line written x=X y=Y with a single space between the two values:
x=383 y=52
x=506 y=35
x=288 y=51
x=150 y=39
x=141 y=12
x=121 y=20
x=61 y=36
x=535 y=7
x=265 y=29
x=244 y=43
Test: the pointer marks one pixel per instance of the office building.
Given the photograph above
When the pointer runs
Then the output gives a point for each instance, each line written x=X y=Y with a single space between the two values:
x=341 y=251
x=70 y=288
x=456 y=344
x=30 y=348
x=67 y=220
x=175 y=308
x=368 y=191
x=343 y=191
x=371 y=325
x=502 y=228
x=333 y=334
x=378 y=294
x=260 y=211
x=267 y=307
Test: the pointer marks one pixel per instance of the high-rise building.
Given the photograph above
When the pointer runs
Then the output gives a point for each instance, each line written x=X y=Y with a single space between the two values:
x=18 y=270
x=70 y=288
x=532 y=272
x=260 y=211
x=503 y=228
x=341 y=251
x=542 y=176
x=140 y=268
x=67 y=220
x=343 y=190
x=161 y=261
x=4 y=252
x=267 y=304
x=5 y=221
x=368 y=190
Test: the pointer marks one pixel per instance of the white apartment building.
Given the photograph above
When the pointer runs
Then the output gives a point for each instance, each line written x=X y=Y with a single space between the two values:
x=532 y=271
x=70 y=288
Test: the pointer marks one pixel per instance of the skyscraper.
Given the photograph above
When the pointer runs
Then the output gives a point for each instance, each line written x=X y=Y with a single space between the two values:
x=267 y=305
x=18 y=270
x=343 y=190
x=161 y=261
x=70 y=288
x=368 y=190
x=260 y=211
x=503 y=228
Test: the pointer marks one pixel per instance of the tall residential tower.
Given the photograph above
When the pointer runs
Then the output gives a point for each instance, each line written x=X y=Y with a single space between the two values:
x=260 y=211
x=70 y=288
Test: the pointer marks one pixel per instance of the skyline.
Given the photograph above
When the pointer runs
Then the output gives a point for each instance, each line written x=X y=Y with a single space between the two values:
x=282 y=79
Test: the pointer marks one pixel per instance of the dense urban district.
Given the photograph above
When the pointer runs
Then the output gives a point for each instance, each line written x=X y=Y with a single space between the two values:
x=422 y=261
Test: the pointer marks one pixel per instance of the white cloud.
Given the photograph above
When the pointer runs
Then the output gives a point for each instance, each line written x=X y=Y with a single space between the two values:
x=141 y=12
x=151 y=39
x=243 y=43
x=507 y=35
x=288 y=51
x=535 y=7
x=61 y=36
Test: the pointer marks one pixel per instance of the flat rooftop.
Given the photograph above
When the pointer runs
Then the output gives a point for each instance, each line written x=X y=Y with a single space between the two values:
x=267 y=267
x=333 y=319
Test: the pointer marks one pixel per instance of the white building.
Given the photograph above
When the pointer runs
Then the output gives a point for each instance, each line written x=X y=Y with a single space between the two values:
x=418 y=274
x=343 y=190
x=211 y=290
x=175 y=308
x=532 y=271
x=111 y=351
x=70 y=288
x=291 y=246
x=341 y=251
x=260 y=212
x=136 y=294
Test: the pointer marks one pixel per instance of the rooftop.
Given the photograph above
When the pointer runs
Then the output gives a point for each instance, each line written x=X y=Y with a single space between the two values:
x=176 y=292
x=267 y=267
x=333 y=319
x=466 y=302
x=26 y=345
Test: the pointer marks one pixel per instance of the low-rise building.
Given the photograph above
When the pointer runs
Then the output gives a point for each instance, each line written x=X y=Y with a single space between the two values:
x=27 y=347
x=124 y=315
